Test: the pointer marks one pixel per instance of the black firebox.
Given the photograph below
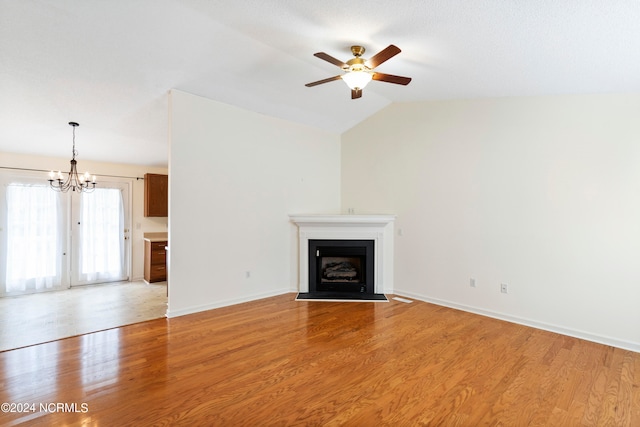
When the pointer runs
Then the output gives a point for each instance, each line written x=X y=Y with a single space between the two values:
x=341 y=269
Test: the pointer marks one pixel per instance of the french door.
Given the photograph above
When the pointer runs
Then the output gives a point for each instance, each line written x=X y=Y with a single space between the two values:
x=32 y=223
x=100 y=235
x=51 y=240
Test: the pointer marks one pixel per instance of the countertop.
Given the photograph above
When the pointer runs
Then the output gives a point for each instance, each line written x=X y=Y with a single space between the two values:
x=156 y=237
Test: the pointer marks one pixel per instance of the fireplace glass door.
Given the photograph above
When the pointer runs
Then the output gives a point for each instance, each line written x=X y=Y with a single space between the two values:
x=341 y=266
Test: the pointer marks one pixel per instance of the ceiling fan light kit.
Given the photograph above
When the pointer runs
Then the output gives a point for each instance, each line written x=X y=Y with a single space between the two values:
x=358 y=72
x=357 y=79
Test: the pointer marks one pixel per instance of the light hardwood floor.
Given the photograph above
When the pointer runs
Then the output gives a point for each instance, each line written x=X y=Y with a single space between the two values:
x=37 y=318
x=285 y=363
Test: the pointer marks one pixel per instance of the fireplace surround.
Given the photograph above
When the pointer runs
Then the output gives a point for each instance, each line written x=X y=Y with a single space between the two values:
x=346 y=231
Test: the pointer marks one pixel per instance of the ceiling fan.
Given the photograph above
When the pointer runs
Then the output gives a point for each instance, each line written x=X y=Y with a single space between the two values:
x=359 y=71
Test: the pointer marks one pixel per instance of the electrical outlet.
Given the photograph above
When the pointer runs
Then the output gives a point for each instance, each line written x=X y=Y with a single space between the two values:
x=504 y=288
x=472 y=283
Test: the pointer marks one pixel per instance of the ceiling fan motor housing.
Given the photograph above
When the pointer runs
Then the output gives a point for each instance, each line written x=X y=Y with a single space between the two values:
x=355 y=64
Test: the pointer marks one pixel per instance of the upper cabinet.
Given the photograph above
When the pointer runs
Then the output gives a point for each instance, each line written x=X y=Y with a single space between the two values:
x=156 y=195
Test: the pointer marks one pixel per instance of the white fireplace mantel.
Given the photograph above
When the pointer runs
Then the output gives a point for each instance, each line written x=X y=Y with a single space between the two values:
x=378 y=228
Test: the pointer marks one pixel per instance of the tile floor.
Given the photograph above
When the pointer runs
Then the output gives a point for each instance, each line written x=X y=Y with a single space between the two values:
x=33 y=319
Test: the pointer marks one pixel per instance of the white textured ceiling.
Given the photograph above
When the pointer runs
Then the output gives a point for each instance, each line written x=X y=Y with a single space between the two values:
x=109 y=64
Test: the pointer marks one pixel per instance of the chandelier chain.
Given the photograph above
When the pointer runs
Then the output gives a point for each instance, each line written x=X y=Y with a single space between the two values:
x=74 y=152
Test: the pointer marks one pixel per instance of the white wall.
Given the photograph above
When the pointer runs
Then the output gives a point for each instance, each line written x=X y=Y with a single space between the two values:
x=542 y=194
x=101 y=168
x=235 y=176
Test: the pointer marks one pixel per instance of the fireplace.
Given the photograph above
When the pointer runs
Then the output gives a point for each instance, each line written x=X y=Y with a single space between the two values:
x=341 y=266
x=345 y=278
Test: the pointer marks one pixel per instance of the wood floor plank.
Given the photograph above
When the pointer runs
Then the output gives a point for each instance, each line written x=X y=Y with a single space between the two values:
x=624 y=397
x=282 y=362
x=635 y=388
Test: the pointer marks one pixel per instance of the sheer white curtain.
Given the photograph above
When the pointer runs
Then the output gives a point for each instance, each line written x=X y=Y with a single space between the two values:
x=101 y=235
x=34 y=239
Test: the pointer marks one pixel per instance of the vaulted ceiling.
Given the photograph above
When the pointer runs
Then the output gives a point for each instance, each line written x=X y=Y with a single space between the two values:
x=110 y=64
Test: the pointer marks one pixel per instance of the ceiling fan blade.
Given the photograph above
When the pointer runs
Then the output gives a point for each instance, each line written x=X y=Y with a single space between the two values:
x=331 y=59
x=390 y=78
x=385 y=54
x=356 y=93
x=319 y=82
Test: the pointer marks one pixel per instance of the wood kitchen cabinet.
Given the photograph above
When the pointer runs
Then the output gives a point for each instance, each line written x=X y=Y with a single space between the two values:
x=155 y=261
x=156 y=195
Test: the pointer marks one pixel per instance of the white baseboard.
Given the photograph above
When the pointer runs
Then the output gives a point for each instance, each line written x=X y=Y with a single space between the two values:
x=625 y=345
x=224 y=303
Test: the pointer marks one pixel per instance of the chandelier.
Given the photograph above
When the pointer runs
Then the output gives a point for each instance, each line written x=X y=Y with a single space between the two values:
x=74 y=182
